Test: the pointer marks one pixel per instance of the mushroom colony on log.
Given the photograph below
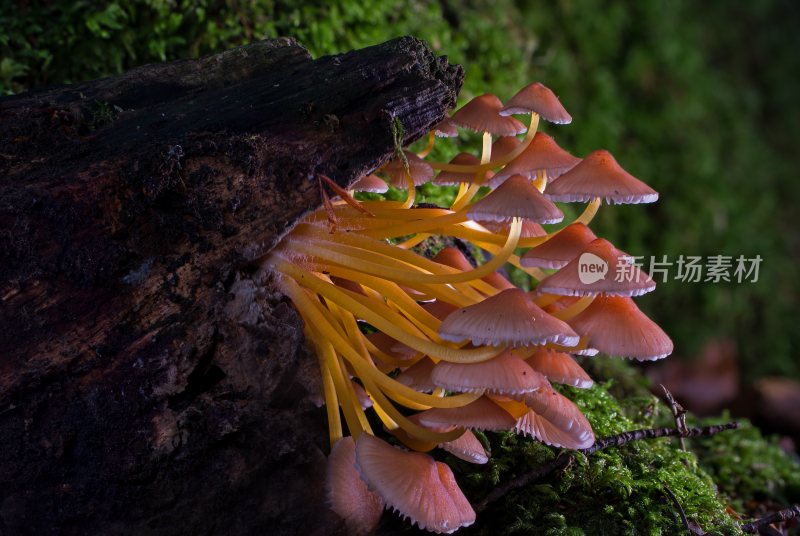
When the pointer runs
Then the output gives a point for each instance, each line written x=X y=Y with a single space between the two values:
x=459 y=347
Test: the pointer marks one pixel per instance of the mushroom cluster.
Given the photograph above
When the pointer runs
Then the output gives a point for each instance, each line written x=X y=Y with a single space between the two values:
x=434 y=348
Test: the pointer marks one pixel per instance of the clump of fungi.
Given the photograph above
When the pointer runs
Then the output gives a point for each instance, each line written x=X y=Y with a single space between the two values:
x=473 y=351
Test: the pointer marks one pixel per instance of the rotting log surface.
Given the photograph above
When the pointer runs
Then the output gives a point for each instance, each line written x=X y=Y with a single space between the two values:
x=147 y=384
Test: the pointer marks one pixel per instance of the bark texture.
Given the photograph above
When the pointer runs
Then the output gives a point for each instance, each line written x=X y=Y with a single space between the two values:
x=148 y=385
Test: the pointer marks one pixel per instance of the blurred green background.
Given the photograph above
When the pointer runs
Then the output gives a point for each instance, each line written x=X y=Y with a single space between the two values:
x=699 y=99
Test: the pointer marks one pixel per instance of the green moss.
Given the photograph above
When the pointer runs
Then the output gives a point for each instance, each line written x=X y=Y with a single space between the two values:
x=746 y=466
x=616 y=491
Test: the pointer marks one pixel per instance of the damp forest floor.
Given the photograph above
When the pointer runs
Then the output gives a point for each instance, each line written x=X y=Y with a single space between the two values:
x=720 y=482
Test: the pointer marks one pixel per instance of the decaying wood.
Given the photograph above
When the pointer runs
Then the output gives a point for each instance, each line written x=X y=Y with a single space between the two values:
x=147 y=384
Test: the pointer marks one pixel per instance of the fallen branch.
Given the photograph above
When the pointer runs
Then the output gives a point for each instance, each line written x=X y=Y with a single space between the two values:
x=565 y=459
x=652 y=433
x=780 y=516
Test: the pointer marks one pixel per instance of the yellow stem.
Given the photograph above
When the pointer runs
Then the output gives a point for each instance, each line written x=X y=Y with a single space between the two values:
x=412 y=191
x=409 y=426
x=428 y=148
x=589 y=212
x=413 y=241
x=462 y=201
x=440 y=292
x=348 y=256
x=331 y=401
x=325 y=349
x=354 y=303
x=541 y=181
x=575 y=309
x=497 y=163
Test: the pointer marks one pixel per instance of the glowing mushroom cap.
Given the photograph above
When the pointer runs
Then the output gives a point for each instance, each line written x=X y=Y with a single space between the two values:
x=481 y=115
x=418 y=376
x=454 y=178
x=504 y=145
x=599 y=269
x=540 y=99
x=348 y=495
x=421 y=172
x=438 y=308
x=543 y=154
x=516 y=198
x=508 y=318
x=370 y=183
x=505 y=374
x=414 y=484
x=559 y=367
x=615 y=325
x=599 y=175
x=563 y=415
x=467 y=447
x=390 y=346
x=538 y=427
x=559 y=249
x=482 y=414
x=446 y=129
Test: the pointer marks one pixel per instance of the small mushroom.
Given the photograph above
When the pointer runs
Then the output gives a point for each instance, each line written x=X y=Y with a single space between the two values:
x=612 y=273
x=370 y=183
x=506 y=374
x=420 y=171
x=348 y=495
x=507 y=318
x=482 y=414
x=559 y=367
x=516 y=198
x=600 y=176
x=559 y=249
x=414 y=485
x=481 y=114
x=538 y=98
x=615 y=326
x=542 y=155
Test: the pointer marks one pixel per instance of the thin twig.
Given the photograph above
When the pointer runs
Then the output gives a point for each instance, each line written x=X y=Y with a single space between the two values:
x=564 y=459
x=679 y=413
x=677 y=504
x=652 y=433
x=781 y=516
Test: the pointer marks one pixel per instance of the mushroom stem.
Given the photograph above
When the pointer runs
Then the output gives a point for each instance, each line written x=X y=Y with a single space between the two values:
x=412 y=191
x=360 y=260
x=502 y=161
x=589 y=212
x=346 y=398
x=388 y=324
x=413 y=241
x=331 y=400
x=314 y=315
x=428 y=148
x=575 y=309
x=541 y=180
x=463 y=199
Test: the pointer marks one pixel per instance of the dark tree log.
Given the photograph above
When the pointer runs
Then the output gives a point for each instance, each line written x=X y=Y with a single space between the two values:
x=147 y=384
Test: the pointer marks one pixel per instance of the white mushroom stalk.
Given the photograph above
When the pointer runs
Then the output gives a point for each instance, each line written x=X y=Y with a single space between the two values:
x=441 y=345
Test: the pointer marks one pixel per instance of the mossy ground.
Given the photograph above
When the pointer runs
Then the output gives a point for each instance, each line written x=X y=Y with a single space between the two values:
x=616 y=491
x=622 y=490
